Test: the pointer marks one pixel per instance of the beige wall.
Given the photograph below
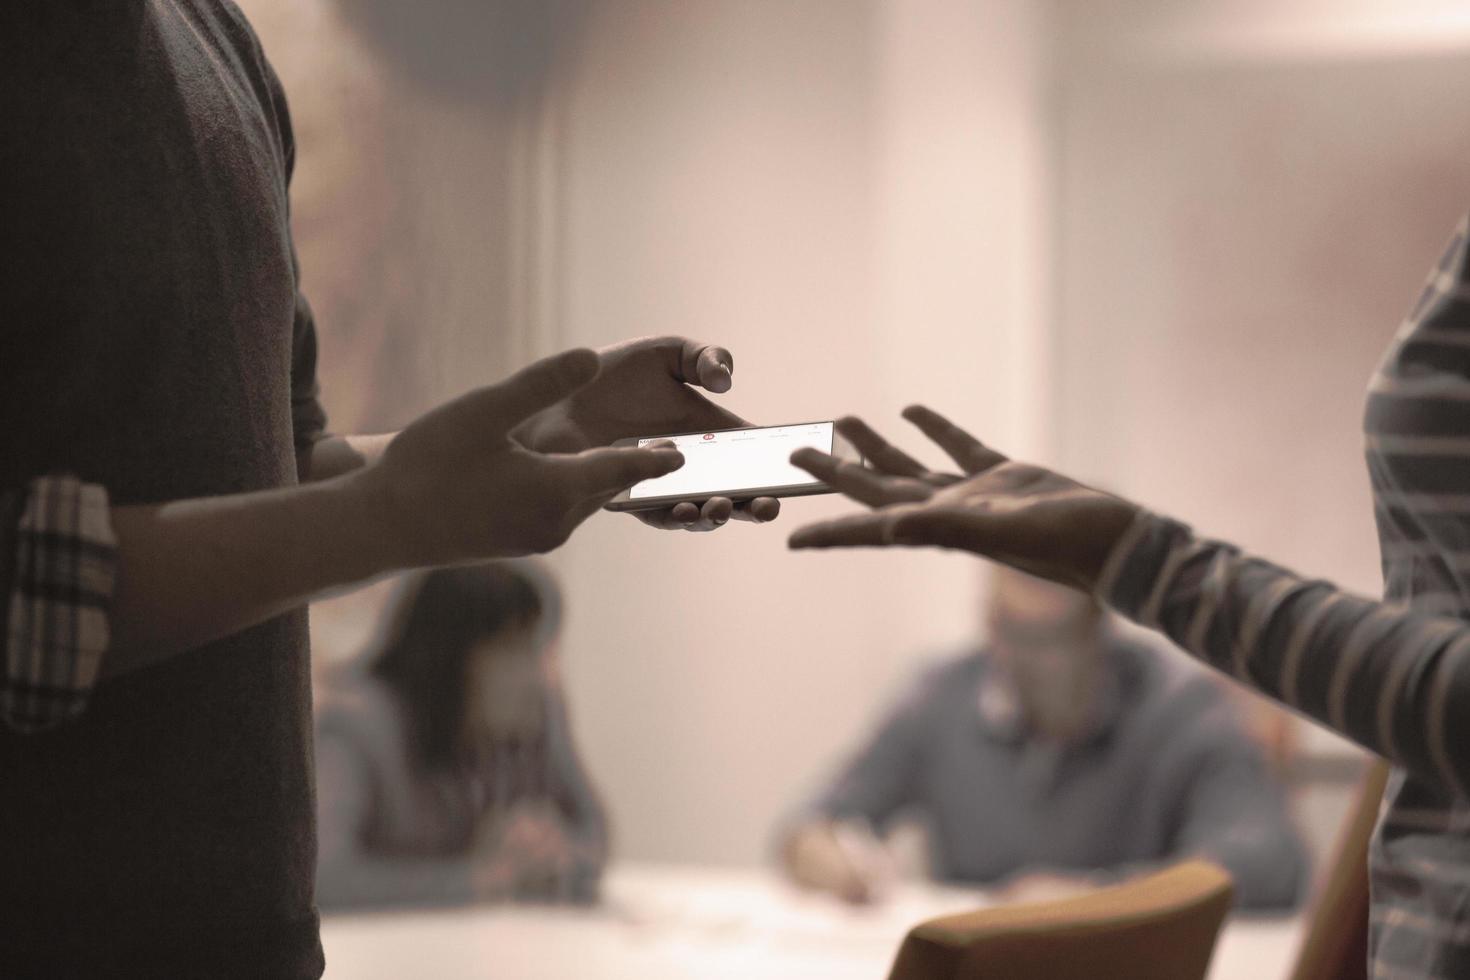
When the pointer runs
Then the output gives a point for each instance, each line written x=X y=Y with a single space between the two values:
x=848 y=194
x=1159 y=242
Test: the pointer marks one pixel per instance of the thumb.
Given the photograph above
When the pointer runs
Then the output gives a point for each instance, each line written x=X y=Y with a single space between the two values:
x=706 y=365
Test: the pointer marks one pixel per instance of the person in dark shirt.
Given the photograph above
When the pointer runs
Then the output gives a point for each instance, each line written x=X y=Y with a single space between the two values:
x=170 y=497
x=1059 y=756
x=446 y=770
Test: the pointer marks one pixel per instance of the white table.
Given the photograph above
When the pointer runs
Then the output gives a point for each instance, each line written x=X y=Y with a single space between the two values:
x=673 y=923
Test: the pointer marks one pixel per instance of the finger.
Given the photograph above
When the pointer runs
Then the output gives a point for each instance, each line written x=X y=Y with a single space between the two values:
x=613 y=469
x=858 y=482
x=716 y=511
x=689 y=516
x=970 y=453
x=946 y=527
x=505 y=405
x=713 y=513
x=761 y=510
x=706 y=365
x=676 y=518
x=853 y=531
x=877 y=450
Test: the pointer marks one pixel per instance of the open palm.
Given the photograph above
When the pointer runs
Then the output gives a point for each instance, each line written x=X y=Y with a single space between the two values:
x=1022 y=515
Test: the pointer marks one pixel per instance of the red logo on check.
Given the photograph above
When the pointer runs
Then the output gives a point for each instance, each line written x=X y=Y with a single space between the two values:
x=708 y=436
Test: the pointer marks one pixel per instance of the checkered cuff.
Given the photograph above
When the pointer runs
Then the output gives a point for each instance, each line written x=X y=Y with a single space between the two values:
x=58 y=561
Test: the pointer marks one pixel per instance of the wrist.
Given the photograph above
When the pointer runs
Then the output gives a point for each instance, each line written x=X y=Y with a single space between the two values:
x=372 y=509
x=1140 y=554
x=1106 y=533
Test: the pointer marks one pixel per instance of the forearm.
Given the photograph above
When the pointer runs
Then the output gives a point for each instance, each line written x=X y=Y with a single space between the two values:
x=1393 y=680
x=192 y=571
x=842 y=858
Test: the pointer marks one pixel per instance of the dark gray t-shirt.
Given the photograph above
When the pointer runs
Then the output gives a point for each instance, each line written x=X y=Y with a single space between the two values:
x=153 y=340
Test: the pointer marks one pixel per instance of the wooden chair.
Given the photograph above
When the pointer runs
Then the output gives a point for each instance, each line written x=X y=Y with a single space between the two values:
x=1336 y=944
x=1159 y=927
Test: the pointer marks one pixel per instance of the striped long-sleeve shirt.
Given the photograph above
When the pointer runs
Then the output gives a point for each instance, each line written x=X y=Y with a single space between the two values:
x=1393 y=676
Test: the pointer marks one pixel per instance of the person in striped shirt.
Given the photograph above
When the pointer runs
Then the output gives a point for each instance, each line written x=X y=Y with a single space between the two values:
x=1393 y=675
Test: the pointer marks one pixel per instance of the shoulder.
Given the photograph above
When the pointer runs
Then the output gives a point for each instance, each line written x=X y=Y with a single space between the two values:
x=232 y=31
x=946 y=671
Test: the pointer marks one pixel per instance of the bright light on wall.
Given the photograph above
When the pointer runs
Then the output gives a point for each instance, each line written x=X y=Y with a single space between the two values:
x=1282 y=29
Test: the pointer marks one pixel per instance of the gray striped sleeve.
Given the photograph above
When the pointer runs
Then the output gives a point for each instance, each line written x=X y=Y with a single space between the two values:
x=1395 y=681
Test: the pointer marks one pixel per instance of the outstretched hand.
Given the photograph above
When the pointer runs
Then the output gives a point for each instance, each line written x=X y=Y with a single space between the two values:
x=649 y=387
x=1018 y=514
x=455 y=486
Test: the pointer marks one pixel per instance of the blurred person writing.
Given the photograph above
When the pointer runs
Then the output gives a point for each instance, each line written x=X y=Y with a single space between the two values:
x=1059 y=756
x=170 y=498
x=446 y=771
x=1392 y=675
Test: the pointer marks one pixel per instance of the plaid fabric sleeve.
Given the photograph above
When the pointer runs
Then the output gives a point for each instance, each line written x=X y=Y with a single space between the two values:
x=58 y=561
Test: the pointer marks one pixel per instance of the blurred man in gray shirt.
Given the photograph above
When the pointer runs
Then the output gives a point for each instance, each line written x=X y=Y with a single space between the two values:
x=1060 y=756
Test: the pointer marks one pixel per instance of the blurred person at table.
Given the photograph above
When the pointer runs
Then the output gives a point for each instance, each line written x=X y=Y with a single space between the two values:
x=445 y=766
x=1059 y=756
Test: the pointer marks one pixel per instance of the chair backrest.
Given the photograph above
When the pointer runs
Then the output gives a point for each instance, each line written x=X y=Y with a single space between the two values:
x=1336 y=944
x=1159 y=927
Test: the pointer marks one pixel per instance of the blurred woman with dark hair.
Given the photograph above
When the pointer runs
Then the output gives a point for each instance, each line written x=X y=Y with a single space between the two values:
x=445 y=768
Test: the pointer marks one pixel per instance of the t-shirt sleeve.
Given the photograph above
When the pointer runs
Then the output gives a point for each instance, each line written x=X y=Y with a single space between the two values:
x=308 y=418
